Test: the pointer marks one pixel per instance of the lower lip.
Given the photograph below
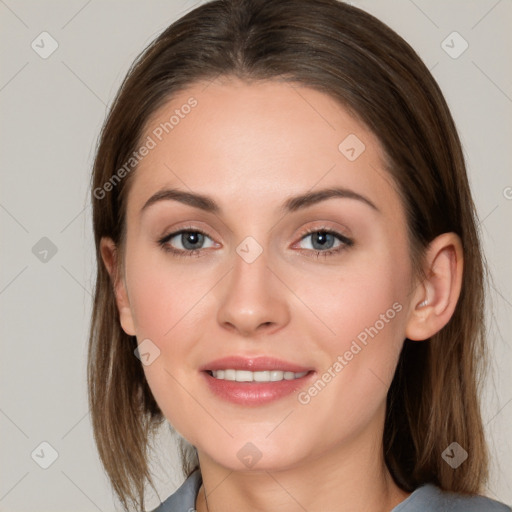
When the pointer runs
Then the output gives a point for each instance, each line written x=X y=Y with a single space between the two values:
x=255 y=393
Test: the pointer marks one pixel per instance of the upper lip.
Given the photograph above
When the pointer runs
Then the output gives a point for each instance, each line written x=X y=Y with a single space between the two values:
x=254 y=364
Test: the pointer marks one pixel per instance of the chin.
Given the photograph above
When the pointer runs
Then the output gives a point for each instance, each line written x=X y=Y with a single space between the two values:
x=253 y=454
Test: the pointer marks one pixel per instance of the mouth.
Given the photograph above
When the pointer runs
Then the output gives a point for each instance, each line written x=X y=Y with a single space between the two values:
x=260 y=376
x=254 y=381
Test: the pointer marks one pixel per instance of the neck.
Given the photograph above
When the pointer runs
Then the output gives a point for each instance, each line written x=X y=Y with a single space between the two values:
x=346 y=478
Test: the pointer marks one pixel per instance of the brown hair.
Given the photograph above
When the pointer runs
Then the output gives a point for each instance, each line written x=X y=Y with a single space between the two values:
x=353 y=57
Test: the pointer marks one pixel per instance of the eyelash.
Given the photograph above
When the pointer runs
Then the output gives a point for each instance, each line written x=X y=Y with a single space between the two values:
x=346 y=242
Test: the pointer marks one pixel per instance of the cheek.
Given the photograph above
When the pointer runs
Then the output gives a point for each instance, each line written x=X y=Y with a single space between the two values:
x=167 y=309
x=358 y=297
x=168 y=303
x=360 y=335
x=164 y=296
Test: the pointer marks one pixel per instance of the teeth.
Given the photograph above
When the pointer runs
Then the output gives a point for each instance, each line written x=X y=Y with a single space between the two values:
x=262 y=376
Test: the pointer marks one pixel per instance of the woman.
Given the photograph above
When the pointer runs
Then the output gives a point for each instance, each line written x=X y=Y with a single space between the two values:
x=289 y=270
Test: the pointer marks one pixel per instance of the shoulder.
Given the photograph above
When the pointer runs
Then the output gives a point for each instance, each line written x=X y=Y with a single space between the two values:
x=430 y=497
x=184 y=499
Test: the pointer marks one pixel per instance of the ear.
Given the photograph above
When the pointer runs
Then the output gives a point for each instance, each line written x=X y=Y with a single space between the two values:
x=109 y=255
x=434 y=299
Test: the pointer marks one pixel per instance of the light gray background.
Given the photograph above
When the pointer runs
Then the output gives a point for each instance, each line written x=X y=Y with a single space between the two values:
x=51 y=114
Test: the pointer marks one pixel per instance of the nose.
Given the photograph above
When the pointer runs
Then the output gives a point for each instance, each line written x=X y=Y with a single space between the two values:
x=254 y=299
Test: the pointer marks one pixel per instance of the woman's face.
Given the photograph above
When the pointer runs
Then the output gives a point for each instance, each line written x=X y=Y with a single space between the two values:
x=251 y=284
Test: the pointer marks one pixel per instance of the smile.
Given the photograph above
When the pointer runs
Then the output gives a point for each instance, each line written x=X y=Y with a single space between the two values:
x=260 y=376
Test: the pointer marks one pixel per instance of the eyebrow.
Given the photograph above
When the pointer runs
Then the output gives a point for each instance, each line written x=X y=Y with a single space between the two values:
x=291 y=204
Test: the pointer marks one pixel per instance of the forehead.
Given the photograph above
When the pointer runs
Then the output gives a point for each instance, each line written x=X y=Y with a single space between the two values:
x=259 y=142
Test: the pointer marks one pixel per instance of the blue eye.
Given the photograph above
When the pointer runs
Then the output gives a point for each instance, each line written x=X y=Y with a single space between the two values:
x=192 y=241
x=189 y=240
x=324 y=239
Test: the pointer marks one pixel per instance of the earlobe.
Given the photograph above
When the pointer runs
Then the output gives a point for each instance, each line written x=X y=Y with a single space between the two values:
x=109 y=255
x=435 y=299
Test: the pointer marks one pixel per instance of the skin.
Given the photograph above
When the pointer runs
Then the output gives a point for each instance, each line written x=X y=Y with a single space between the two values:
x=250 y=147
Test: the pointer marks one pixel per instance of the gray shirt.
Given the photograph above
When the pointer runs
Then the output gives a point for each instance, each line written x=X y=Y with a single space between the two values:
x=428 y=497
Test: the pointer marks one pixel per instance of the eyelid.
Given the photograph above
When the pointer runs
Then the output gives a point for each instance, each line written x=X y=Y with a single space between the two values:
x=345 y=241
x=178 y=228
x=335 y=228
x=184 y=229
